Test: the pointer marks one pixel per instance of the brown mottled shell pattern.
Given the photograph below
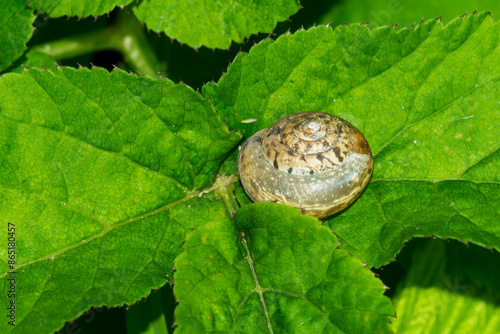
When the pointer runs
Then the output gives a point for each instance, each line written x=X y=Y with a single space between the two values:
x=314 y=161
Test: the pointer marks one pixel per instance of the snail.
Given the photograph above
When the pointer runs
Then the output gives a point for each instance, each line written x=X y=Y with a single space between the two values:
x=314 y=161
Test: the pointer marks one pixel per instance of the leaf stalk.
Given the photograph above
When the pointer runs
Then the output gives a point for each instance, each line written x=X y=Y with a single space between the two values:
x=224 y=191
x=126 y=36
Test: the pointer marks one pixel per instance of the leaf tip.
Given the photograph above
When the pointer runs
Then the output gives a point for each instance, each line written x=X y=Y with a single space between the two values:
x=116 y=68
x=59 y=66
x=268 y=38
x=466 y=243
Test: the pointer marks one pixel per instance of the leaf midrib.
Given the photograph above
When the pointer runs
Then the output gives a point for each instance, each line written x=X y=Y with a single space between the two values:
x=406 y=127
x=258 y=287
x=260 y=291
x=110 y=228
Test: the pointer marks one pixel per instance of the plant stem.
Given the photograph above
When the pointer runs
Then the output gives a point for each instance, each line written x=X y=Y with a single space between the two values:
x=126 y=36
x=136 y=48
x=224 y=191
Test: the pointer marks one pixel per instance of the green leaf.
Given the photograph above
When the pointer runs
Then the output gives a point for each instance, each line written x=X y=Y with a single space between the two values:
x=81 y=8
x=392 y=212
x=427 y=100
x=403 y=12
x=15 y=30
x=284 y=275
x=449 y=289
x=35 y=59
x=214 y=24
x=102 y=174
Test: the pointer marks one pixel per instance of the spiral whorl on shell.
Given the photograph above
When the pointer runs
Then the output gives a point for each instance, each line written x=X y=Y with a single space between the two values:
x=314 y=161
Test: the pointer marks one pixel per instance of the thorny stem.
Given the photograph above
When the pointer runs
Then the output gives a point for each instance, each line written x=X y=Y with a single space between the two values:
x=126 y=36
x=224 y=190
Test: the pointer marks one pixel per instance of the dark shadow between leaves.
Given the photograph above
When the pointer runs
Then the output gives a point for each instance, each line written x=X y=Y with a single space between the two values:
x=450 y=265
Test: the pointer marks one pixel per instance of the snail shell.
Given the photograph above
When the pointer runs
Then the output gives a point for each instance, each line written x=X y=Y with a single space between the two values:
x=314 y=161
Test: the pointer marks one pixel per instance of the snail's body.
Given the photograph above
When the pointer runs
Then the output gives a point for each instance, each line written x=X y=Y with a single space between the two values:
x=314 y=161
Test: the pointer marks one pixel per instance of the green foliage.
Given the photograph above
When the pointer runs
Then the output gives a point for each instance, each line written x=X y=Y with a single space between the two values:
x=403 y=12
x=120 y=183
x=392 y=212
x=214 y=24
x=108 y=199
x=15 y=30
x=57 y=8
x=284 y=275
x=434 y=90
x=34 y=59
